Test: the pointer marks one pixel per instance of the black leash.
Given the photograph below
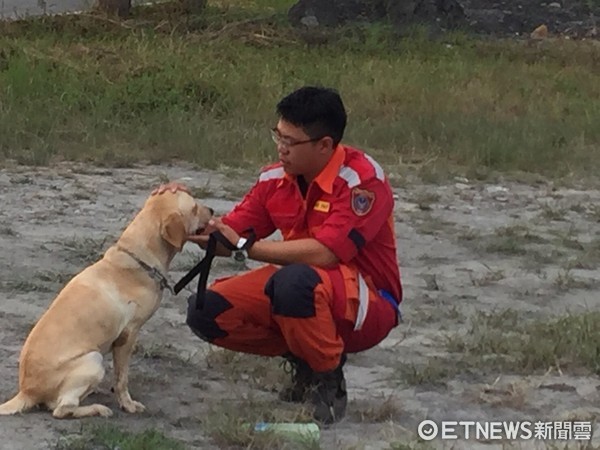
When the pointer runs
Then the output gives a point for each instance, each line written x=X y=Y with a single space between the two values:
x=203 y=267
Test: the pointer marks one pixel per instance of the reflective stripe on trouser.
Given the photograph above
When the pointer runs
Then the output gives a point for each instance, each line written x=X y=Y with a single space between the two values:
x=315 y=314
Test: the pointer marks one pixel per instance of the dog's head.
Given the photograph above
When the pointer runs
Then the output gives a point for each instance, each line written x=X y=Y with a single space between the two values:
x=180 y=216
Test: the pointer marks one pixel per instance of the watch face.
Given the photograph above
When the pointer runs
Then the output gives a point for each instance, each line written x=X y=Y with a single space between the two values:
x=239 y=256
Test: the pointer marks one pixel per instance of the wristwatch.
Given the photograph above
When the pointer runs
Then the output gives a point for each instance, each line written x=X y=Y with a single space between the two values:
x=241 y=254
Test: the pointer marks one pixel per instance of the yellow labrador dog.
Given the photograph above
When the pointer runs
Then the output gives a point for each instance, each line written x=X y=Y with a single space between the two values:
x=102 y=309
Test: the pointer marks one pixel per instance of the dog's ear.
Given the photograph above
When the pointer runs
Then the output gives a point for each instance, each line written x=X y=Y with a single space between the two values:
x=173 y=231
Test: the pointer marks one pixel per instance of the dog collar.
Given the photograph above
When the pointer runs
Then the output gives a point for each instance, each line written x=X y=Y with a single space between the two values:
x=153 y=272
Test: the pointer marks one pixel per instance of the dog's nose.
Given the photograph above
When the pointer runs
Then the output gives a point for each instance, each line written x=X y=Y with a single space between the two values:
x=212 y=211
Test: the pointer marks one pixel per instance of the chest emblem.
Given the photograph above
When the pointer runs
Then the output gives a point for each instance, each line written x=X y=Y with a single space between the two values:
x=362 y=201
x=322 y=206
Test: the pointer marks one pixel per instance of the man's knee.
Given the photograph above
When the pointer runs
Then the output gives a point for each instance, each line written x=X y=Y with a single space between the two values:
x=202 y=318
x=292 y=290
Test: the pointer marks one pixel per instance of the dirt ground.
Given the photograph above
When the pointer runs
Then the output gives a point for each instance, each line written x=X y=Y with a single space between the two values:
x=54 y=221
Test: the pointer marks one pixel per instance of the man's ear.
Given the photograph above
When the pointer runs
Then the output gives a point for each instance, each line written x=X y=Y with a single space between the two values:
x=172 y=230
x=326 y=145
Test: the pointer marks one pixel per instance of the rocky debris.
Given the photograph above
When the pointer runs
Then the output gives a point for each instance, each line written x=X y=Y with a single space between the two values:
x=500 y=18
x=338 y=12
x=540 y=32
x=122 y=8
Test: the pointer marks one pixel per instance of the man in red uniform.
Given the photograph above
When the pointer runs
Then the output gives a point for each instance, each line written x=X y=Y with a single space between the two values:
x=332 y=286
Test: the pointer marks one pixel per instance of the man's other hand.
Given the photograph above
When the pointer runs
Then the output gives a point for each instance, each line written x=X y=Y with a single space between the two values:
x=172 y=186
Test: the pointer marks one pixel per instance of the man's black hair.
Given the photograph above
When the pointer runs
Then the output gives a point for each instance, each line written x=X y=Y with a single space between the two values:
x=319 y=111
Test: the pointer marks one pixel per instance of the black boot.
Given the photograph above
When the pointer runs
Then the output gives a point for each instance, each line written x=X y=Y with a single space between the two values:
x=329 y=396
x=302 y=375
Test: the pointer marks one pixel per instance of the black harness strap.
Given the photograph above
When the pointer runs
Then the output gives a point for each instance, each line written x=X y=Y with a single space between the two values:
x=203 y=267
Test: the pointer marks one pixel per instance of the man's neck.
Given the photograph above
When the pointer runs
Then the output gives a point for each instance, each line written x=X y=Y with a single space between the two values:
x=302 y=185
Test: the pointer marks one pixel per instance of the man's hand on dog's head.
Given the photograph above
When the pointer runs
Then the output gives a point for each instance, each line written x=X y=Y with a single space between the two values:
x=172 y=186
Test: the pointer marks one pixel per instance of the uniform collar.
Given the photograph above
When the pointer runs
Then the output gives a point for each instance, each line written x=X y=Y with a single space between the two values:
x=330 y=172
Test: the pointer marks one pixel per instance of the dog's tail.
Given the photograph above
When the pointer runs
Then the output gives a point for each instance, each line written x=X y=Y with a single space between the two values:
x=18 y=404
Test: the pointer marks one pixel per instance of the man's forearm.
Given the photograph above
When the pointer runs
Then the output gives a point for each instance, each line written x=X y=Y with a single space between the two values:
x=307 y=251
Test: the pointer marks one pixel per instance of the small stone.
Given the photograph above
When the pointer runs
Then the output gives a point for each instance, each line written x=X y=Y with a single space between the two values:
x=540 y=32
x=555 y=5
x=309 y=21
x=496 y=189
x=408 y=207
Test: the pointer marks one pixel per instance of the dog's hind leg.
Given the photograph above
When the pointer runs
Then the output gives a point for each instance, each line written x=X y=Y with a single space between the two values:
x=86 y=373
x=18 y=404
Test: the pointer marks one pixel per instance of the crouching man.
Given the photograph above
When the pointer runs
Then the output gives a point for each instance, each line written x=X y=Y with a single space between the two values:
x=332 y=285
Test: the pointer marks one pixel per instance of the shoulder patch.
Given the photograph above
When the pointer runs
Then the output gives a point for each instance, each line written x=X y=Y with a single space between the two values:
x=362 y=201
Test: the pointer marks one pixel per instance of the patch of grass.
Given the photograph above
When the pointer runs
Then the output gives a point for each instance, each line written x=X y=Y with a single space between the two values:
x=22 y=179
x=511 y=240
x=85 y=169
x=578 y=208
x=506 y=341
x=489 y=277
x=512 y=395
x=589 y=257
x=39 y=281
x=261 y=372
x=78 y=87
x=376 y=411
x=154 y=350
x=594 y=213
x=236 y=192
x=427 y=223
x=232 y=425
x=565 y=281
x=110 y=436
x=542 y=256
x=431 y=283
x=571 y=243
x=85 y=250
x=582 y=254
x=8 y=231
x=571 y=446
x=469 y=235
x=430 y=259
x=414 y=445
x=52 y=276
x=434 y=372
x=148 y=377
x=550 y=212
x=437 y=312
x=202 y=191
x=425 y=199
x=27 y=284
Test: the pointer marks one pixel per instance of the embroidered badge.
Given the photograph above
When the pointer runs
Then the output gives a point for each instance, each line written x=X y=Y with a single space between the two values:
x=322 y=206
x=362 y=201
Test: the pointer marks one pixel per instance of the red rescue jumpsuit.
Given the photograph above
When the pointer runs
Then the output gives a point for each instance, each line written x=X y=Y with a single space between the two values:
x=317 y=314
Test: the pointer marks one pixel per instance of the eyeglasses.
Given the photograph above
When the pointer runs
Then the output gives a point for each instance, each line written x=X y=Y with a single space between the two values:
x=287 y=142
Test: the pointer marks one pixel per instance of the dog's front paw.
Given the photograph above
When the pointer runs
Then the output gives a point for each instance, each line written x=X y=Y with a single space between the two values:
x=103 y=411
x=132 y=406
